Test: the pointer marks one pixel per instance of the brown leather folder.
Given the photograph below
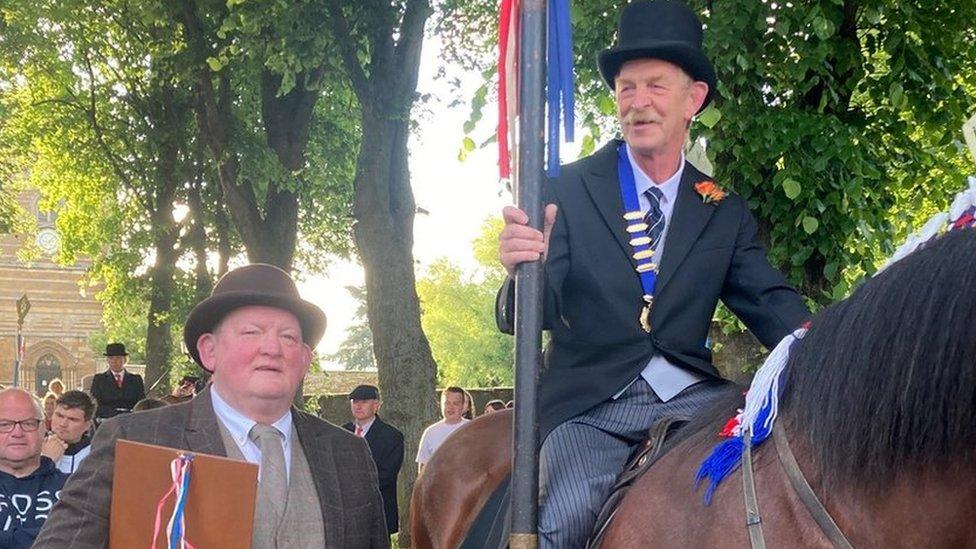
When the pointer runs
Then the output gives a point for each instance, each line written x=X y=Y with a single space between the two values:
x=219 y=505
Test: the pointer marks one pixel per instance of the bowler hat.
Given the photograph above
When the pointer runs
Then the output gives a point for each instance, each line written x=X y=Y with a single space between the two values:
x=256 y=284
x=660 y=29
x=365 y=392
x=115 y=349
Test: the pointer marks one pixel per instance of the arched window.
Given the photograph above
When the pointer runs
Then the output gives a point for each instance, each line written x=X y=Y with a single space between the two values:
x=48 y=368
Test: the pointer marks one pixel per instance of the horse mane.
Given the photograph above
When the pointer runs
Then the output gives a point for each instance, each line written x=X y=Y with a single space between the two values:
x=884 y=383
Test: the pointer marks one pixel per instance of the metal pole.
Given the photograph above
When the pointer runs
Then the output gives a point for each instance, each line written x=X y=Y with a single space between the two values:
x=17 y=358
x=23 y=307
x=528 y=278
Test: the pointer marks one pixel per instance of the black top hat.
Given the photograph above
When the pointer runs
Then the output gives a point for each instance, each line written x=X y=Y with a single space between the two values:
x=115 y=349
x=257 y=284
x=365 y=392
x=660 y=29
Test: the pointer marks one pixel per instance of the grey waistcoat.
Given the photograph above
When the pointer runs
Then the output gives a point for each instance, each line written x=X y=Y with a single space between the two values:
x=301 y=526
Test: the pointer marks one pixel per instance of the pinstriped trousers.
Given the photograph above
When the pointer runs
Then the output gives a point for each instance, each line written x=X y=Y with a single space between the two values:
x=581 y=458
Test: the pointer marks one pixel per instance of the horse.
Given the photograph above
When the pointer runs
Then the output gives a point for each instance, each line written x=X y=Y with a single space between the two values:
x=877 y=407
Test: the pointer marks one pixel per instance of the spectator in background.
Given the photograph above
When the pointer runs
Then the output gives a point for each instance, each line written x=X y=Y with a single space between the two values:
x=116 y=390
x=469 y=412
x=452 y=410
x=56 y=386
x=185 y=391
x=149 y=404
x=29 y=482
x=493 y=406
x=385 y=444
x=69 y=441
x=50 y=402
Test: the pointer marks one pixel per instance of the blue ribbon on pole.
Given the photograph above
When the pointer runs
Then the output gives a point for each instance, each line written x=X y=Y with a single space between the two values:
x=560 y=84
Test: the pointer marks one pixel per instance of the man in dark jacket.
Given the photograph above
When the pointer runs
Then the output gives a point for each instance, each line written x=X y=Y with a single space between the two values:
x=385 y=444
x=116 y=390
x=29 y=482
x=639 y=248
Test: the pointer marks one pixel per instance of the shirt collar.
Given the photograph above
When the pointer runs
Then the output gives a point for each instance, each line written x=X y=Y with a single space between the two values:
x=366 y=427
x=669 y=188
x=238 y=425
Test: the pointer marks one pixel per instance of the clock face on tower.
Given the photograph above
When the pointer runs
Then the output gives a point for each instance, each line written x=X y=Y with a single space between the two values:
x=48 y=240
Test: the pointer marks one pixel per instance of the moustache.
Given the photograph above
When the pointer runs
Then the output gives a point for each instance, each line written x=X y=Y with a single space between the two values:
x=639 y=116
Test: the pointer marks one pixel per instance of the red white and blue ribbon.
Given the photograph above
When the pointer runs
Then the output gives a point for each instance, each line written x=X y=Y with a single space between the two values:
x=176 y=528
x=762 y=399
x=560 y=84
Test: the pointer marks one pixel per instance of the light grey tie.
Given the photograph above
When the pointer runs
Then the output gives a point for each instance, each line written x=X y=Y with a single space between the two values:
x=273 y=487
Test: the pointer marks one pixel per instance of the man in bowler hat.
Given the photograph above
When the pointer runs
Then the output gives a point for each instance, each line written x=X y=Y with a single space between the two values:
x=116 y=390
x=317 y=484
x=638 y=246
x=385 y=444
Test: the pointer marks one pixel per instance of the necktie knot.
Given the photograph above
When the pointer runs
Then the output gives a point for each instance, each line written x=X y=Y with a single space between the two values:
x=264 y=434
x=359 y=431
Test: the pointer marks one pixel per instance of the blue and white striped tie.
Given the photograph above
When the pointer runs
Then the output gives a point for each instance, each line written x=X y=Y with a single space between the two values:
x=654 y=218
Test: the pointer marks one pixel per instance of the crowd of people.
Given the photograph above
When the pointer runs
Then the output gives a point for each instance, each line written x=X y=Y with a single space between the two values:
x=44 y=439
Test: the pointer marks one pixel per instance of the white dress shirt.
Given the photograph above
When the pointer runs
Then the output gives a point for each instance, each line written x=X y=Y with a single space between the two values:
x=239 y=426
x=665 y=379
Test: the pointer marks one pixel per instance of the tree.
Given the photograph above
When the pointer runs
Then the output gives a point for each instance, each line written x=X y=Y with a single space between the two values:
x=102 y=125
x=356 y=351
x=379 y=43
x=458 y=316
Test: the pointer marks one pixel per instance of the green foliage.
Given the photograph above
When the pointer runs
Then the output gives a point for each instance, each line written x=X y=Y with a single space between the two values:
x=458 y=317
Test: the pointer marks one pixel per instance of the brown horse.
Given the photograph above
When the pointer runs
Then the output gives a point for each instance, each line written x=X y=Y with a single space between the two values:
x=878 y=408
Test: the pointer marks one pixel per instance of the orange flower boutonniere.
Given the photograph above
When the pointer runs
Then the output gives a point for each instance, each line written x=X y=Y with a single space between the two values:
x=710 y=192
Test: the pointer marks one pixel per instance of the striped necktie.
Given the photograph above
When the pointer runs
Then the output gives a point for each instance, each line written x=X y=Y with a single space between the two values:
x=654 y=218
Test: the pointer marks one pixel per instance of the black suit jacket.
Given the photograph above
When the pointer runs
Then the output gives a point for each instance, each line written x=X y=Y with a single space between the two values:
x=344 y=476
x=110 y=397
x=593 y=293
x=386 y=445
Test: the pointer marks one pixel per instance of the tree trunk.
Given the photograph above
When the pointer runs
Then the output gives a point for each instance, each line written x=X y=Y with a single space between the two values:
x=384 y=211
x=171 y=119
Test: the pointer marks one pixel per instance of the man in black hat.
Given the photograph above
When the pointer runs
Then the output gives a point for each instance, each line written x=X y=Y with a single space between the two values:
x=385 y=444
x=116 y=390
x=317 y=484
x=642 y=248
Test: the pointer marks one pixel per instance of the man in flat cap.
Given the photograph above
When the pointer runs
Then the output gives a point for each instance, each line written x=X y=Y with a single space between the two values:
x=317 y=484
x=641 y=250
x=385 y=443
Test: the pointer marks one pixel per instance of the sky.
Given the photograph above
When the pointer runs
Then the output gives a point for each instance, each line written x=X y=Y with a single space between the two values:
x=458 y=195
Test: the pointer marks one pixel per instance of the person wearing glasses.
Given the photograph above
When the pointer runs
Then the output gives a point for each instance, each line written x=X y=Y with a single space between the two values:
x=29 y=482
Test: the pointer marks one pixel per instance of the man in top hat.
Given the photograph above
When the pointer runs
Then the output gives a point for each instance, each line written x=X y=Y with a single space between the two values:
x=385 y=444
x=639 y=246
x=317 y=484
x=116 y=390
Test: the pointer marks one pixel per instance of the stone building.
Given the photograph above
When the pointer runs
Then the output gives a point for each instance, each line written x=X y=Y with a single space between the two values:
x=61 y=318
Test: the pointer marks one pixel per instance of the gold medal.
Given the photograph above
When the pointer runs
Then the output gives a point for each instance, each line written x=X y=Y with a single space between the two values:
x=645 y=314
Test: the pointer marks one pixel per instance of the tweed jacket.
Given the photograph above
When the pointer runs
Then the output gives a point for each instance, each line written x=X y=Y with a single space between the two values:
x=593 y=292
x=344 y=475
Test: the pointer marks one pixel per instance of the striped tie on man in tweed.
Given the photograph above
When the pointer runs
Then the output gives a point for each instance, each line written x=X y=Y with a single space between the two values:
x=654 y=218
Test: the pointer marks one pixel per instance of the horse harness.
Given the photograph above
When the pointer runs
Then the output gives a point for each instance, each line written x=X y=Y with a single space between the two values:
x=800 y=486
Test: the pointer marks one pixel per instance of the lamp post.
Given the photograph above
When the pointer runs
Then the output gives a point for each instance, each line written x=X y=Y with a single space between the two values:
x=23 y=306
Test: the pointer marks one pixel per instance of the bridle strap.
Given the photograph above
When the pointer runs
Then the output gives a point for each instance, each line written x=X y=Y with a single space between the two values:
x=805 y=492
x=753 y=520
